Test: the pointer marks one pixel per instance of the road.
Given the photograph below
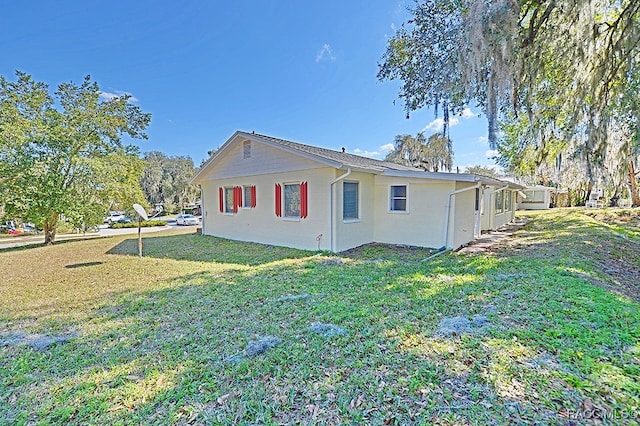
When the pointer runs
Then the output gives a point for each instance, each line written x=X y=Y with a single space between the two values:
x=103 y=231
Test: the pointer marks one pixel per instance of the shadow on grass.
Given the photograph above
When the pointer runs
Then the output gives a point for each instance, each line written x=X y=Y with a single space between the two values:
x=204 y=248
x=82 y=265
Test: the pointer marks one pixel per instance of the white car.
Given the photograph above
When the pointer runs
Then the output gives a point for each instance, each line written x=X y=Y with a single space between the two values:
x=114 y=217
x=187 y=219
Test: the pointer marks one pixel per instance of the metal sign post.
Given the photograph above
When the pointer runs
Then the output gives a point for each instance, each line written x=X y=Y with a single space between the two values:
x=142 y=214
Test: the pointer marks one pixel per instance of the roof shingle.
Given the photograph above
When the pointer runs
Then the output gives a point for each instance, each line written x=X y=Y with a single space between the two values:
x=346 y=159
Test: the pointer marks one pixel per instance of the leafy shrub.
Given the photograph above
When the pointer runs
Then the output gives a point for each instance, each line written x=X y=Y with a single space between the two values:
x=145 y=224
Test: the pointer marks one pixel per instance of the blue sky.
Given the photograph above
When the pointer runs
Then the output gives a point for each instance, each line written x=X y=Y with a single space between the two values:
x=304 y=71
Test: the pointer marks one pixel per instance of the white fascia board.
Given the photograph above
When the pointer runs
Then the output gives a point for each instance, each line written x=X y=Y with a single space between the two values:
x=459 y=177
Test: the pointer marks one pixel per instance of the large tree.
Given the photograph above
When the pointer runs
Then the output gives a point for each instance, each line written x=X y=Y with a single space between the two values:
x=483 y=171
x=62 y=155
x=165 y=180
x=565 y=64
x=433 y=154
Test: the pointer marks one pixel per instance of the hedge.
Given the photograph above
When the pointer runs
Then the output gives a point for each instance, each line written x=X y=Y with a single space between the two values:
x=145 y=224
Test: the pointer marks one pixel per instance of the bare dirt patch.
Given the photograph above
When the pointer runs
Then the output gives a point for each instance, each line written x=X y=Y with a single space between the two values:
x=38 y=342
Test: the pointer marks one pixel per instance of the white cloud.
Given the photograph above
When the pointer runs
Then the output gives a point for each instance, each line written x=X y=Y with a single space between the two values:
x=381 y=153
x=491 y=153
x=438 y=124
x=388 y=147
x=371 y=154
x=467 y=113
x=483 y=140
x=325 y=54
x=116 y=94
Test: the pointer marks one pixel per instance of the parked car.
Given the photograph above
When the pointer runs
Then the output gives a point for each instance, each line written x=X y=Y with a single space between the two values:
x=187 y=219
x=125 y=219
x=114 y=217
x=29 y=227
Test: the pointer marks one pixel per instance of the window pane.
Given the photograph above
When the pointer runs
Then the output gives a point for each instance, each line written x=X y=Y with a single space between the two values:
x=499 y=201
x=534 y=196
x=399 y=191
x=228 y=200
x=350 y=200
x=246 y=199
x=292 y=200
x=398 y=198
x=507 y=201
x=399 y=204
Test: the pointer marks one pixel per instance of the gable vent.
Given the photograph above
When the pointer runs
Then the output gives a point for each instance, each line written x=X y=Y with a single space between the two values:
x=246 y=149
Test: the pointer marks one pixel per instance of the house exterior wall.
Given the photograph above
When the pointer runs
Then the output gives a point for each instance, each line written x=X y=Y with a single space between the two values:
x=492 y=218
x=351 y=233
x=486 y=221
x=541 y=200
x=261 y=159
x=423 y=222
x=260 y=224
x=264 y=168
x=462 y=216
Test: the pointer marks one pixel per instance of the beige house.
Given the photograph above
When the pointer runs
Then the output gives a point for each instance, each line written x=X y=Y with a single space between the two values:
x=267 y=190
x=535 y=198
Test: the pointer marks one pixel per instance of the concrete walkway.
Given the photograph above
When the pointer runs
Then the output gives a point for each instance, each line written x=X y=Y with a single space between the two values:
x=489 y=240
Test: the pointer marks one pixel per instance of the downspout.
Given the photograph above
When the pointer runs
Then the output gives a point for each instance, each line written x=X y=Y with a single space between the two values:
x=448 y=212
x=339 y=178
x=202 y=210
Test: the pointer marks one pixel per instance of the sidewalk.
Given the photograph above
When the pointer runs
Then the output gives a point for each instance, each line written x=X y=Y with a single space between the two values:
x=21 y=241
x=490 y=239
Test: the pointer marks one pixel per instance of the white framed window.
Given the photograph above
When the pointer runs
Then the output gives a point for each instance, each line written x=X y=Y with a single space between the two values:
x=292 y=200
x=246 y=197
x=229 y=198
x=534 y=196
x=507 y=201
x=499 y=204
x=398 y=198
x=350 y=201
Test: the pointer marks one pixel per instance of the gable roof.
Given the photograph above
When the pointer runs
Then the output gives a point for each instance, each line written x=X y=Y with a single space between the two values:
x=344 y=160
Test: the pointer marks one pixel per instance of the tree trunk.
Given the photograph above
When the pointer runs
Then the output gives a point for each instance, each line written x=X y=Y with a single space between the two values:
x=633 y=187
x=49 y=236
x=49 y=226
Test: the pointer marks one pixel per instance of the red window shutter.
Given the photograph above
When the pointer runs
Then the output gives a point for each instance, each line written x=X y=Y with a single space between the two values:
x=253 y=196
x=304 y=208
x=237 y=199
x=221 y=199
x=278 y=200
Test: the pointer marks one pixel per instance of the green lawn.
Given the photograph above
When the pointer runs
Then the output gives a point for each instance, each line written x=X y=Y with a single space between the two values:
x=92 y=334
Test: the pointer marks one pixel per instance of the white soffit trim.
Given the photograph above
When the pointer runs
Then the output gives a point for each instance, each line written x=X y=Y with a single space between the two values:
x=460 y=177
